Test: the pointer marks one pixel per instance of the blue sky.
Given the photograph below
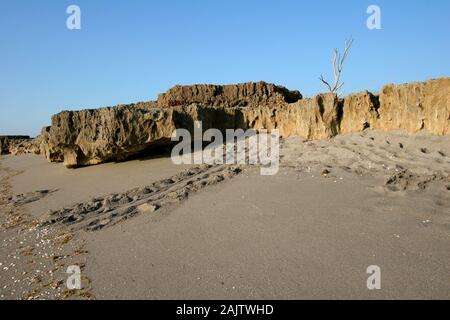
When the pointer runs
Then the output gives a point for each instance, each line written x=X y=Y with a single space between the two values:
x=133 y=50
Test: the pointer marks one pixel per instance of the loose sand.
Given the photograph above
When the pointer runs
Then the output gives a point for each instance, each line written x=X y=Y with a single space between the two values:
x=335 y=208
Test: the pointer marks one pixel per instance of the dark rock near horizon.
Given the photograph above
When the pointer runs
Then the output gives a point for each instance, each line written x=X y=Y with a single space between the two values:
x=8 y=140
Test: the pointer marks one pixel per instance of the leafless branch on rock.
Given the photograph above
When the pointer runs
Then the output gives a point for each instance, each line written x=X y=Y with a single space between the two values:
x=338 y=63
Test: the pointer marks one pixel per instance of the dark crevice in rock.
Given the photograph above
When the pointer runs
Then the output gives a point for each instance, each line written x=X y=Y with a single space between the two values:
x=321 y=106
x=375 y=99
x=340 y=113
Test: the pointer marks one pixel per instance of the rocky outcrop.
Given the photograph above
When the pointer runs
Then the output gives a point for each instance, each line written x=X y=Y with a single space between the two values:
x=409 y=107
x=416 y=106
x=19 y=147
x=359 y=112
x=316 y=118
x=248 y=94
x=93 y=136
x=52 y=152
x=88 y=137
x=8 y=142
x=109 y=134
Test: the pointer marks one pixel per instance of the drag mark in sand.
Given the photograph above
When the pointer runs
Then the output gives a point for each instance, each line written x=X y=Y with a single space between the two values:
x=107 y=211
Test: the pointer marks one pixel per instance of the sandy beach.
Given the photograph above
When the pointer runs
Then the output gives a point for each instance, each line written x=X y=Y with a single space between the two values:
x=336 y=207
x=225 y=158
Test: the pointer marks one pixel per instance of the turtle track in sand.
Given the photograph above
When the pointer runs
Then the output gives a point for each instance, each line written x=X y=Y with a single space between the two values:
x=109 y=210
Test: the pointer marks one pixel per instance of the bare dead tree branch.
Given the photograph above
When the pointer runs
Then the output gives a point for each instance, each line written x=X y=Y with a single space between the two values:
x=338 y=64
x=325 y=83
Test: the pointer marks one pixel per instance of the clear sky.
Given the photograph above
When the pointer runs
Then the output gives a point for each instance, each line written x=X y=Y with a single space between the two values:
x=128 y=51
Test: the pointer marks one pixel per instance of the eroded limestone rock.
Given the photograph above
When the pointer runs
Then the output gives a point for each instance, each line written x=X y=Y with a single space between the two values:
x=416 y=106
x=109 y=134
x=359 y=112
x=8 y=143
x=19 y=147
x=93 y=136
x=239 y=95
x=315 y=118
